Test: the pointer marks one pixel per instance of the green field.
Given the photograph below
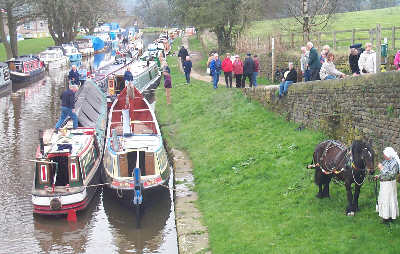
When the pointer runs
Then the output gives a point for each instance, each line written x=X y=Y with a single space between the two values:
x=343 y=21
x=255 y=194
x=152 y=29
x=26 y=47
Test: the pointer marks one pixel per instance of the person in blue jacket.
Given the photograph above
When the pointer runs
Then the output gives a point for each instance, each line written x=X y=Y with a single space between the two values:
x=128 y=77
x=73 y=76
x=187 y=67
x=68 y=107
x=215 y=70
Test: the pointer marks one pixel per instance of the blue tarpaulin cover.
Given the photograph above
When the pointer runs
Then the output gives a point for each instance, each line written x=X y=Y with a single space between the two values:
x=98 y=44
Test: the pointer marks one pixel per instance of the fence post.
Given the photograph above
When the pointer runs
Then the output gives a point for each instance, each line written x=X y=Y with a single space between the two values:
x=378 y=48
x=258 y=42
x=371 y=36
x=319 y=39
x=353 y=37
x=292 y=40
x=334 y=39
x=273 y=58
x=394 y=38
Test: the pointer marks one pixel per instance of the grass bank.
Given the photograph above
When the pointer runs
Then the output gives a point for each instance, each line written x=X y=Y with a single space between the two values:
x=26 y=47
x=152 y=29
x=254 y=191
x=387 y=17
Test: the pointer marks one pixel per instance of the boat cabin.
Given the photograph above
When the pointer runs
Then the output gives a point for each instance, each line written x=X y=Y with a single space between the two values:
x=25 y=64
x=51 y=54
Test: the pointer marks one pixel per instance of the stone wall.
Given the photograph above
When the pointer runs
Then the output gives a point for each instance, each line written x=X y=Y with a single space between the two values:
x=366 y=107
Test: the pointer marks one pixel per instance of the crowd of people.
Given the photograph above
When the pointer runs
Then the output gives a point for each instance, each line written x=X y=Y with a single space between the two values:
x=234 y=67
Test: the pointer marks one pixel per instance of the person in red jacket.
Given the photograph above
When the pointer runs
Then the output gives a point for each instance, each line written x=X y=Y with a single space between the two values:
x=256 y=70
x=238 y=71
x=227 y=68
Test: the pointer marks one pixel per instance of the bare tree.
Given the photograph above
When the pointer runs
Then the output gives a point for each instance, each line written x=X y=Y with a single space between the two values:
x=95 y=11
x=312 y=15
x=17 y=12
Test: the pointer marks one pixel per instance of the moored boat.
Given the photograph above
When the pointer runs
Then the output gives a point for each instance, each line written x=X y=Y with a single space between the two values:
x=26 y=69
x=135 y=159
x=67 y=163
x=84 y=46
x=72 y=52
x=54 y=58
x=5 y=80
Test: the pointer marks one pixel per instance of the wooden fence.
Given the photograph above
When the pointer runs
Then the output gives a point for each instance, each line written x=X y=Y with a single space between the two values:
x=336 y=39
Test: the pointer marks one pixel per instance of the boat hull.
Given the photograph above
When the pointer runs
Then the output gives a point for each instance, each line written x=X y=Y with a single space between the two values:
x=16 y=77
x=5 y=86
x=73 y=202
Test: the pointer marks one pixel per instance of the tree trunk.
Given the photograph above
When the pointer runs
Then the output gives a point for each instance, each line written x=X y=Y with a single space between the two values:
x=3 y=36
x=224 y=40
x=306 y=22
x=12 y=28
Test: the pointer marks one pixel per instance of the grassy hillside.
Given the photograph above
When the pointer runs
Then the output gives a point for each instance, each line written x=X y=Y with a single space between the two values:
x=343 y=21
x=26 y=47
x=254 y=190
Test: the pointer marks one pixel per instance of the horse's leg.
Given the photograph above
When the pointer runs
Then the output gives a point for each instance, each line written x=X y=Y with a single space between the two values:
x=318 y=181
x=349 y=209
x=325 y=191
x=356 y=195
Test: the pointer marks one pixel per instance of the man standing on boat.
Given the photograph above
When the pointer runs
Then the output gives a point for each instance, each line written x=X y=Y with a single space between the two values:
x=68 y=107
x=73 y=76
x=128 y=77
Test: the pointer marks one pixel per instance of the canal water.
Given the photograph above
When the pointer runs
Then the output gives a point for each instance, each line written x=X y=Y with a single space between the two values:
x=106 y=226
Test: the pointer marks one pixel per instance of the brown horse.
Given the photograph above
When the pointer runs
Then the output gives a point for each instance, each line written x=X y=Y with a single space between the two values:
x=348 y=164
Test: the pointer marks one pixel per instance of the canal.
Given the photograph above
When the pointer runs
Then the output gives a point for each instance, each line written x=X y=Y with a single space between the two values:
x=106 y=226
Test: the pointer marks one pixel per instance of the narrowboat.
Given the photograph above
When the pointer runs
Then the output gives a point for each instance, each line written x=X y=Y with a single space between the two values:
x=135 y=159
x=26 y=69
x=84 y=46
x=54 y=58
x=67 y=164
x=146 y=75
x=72 y=53
x=5 y=80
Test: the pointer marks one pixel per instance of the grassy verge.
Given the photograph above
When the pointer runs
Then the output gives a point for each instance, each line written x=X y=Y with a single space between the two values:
x=254 y=191
x=26 y=47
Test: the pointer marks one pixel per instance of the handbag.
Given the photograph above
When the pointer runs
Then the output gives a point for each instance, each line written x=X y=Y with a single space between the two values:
x=208 y=71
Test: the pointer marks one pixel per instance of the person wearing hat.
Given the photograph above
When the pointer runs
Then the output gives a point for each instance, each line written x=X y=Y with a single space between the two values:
x=215 y=70
x=387 y=207
x=238 y=71
x=248 y=69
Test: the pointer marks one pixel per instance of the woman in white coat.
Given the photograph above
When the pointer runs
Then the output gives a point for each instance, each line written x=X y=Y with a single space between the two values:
x=387 y=206
x=367 y=60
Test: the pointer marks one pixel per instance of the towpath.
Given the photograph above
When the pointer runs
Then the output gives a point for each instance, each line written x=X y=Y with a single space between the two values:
x=196 y=56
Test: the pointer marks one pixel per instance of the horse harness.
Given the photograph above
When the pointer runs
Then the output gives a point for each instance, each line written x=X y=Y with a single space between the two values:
x=348 y=163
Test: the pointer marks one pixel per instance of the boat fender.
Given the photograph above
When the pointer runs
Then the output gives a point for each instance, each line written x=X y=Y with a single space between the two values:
x=55 y=204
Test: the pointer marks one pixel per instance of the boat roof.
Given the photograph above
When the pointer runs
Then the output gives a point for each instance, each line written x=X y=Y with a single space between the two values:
x=73 y=142
x=23 y=59
x=2 y=65
x=105 y=71
x=137 y=68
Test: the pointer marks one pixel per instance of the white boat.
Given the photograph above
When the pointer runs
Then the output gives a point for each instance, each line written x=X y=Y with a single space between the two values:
x=72 y=52
x=84 y=46
x=54 y=58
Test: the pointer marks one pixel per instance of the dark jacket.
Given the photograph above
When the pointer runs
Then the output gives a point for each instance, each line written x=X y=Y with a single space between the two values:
x=128 y=76
x=68 y=99
x=353 y=61
x=313 y=60
x=167 y=81
x=183 y=53
x=74 y=76
x=248 y=66
x=292 y=76
x=187 y=66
